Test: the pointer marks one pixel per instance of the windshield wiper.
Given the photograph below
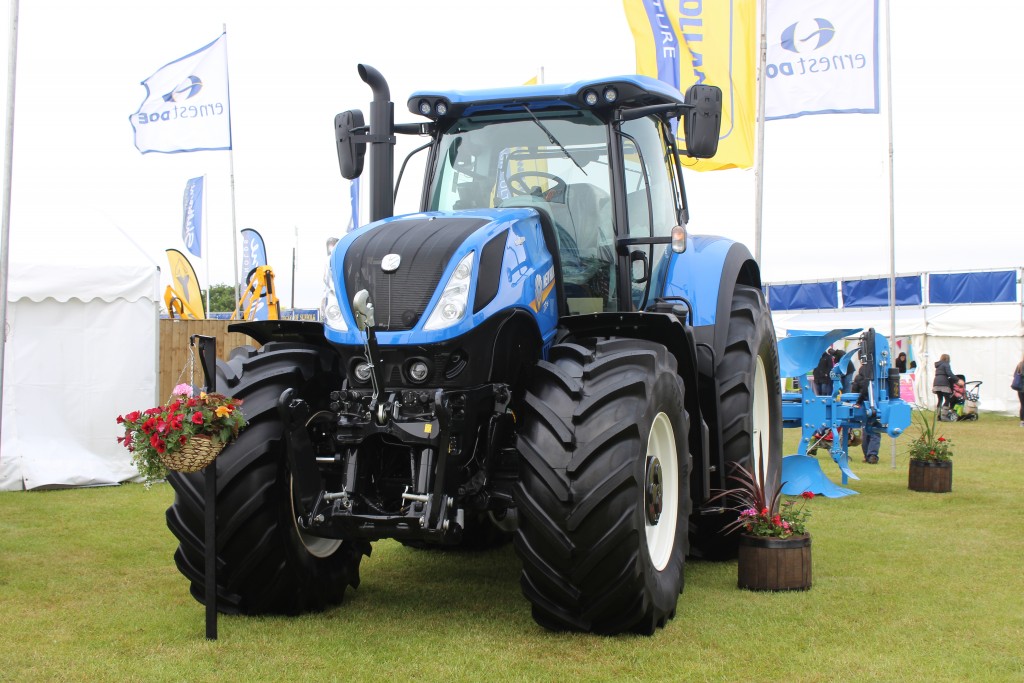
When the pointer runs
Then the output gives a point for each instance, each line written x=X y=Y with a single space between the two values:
x=553 y=140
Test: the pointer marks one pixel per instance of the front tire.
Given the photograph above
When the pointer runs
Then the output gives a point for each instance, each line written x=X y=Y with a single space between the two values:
x=265 y=564
x=749 y=412
x=603 y=496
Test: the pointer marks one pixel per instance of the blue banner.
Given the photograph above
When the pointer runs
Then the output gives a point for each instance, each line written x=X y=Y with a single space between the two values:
x=803 y=297
x=254 y=255
x=875 y=292
x=973 y=288
x=353 y=198
x=192 y=223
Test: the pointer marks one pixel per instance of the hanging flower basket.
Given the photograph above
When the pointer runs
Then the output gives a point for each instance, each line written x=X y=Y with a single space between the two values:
x=185 y=435
x=195 y=455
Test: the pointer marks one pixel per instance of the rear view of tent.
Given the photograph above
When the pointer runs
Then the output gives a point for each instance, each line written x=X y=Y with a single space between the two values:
x=82 y=340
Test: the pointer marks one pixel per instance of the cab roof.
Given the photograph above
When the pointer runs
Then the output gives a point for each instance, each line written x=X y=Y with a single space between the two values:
x=627 y=91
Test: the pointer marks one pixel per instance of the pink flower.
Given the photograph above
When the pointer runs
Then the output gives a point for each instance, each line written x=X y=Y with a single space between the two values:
x=182 y=390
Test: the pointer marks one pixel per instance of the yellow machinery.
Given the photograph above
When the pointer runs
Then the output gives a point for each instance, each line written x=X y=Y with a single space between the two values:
x=259 y=292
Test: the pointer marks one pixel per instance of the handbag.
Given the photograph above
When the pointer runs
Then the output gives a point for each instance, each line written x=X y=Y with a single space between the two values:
x=1018 y=382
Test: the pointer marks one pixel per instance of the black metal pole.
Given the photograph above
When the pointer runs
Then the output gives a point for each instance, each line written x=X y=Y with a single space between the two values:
x=207 y=359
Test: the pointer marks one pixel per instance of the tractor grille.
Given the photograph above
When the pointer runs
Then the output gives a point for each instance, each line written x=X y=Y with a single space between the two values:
x=426 y=246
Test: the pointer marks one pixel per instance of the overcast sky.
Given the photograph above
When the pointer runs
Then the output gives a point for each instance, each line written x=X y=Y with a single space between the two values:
x=956 y=120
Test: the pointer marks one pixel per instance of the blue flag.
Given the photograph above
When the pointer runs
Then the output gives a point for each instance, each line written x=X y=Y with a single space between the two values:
x=353 y=198
x=254 y=255
x=192 y=223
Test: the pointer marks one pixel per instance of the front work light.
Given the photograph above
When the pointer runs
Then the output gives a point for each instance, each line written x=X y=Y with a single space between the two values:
x=451 y=306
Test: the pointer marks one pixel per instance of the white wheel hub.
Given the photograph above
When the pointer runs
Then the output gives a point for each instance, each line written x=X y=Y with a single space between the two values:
x=761 y=417
x=661 y=491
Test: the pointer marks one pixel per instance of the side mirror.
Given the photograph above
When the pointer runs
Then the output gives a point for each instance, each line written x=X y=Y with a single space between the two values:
x=348 y=128
x=702 y=122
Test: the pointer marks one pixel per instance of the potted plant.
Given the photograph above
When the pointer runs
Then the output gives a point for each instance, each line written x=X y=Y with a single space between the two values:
x=931 y=459
x=774 y=544
x=184 y=435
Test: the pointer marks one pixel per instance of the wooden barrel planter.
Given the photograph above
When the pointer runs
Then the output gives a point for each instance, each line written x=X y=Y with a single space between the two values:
x=930 y=476
x=775 y=564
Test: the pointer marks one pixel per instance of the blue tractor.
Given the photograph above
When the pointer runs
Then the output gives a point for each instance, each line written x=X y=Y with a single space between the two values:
x=542 y=355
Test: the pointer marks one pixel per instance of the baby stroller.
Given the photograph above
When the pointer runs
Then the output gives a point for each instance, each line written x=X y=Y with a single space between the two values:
x=965 y=400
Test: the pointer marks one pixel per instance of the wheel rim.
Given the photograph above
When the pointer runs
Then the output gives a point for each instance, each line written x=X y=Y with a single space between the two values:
x=661 y=491
x=317 y=546
x=761 y=416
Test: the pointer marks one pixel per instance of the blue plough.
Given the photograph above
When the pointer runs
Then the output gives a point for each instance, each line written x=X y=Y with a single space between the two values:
x=837 y=414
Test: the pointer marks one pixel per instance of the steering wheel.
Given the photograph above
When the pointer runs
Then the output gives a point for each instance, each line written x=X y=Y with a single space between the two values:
x=519 y=187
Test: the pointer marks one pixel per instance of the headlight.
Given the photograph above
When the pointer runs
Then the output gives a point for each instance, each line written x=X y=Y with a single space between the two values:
x=362 y=371
x=418 y=371
x=451 y=307
x=330 y=311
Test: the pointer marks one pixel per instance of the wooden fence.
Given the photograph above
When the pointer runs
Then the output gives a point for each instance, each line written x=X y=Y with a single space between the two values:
x=174 y=349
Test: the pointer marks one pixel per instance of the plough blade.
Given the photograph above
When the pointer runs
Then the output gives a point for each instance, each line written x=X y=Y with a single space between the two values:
x=803 y=473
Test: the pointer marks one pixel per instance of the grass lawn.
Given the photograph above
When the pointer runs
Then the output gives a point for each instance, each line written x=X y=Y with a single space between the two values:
x=907 y=587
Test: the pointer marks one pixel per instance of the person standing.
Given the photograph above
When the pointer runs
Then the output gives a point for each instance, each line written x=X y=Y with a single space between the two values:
x=942 y=386
x=822 y=380
x=1020 y=392
x=901 y=362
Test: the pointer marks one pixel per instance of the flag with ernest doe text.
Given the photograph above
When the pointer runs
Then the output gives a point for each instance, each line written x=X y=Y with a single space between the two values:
x=187 y=104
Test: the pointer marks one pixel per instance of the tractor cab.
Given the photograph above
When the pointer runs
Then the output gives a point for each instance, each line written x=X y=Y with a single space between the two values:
x=595 y=159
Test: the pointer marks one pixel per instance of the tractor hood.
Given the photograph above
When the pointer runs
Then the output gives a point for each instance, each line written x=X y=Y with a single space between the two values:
x=431 y=276
x=402 y=288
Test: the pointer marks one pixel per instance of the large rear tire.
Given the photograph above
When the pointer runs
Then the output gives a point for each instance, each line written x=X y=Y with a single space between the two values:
x=603 y=497
x=265 y=564
x=750 y=412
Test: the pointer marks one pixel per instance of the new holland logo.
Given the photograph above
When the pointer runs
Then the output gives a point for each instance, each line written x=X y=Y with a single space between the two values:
x=187 y=89
x=390 y=263
x=809 y=39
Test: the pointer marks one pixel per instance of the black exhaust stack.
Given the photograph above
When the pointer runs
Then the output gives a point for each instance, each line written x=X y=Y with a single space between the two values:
x=382 y=140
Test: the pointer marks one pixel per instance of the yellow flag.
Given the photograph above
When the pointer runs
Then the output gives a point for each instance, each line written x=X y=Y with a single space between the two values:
x=713 y=43
x=185 y=285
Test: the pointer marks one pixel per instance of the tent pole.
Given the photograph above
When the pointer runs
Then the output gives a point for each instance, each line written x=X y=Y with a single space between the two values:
x=892 y=213
x=5 y=231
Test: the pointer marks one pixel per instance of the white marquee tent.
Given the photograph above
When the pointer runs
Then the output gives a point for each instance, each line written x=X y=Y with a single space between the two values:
x=82 y=348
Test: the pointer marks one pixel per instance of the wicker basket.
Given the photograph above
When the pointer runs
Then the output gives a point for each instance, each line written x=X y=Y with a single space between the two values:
x=195 y=455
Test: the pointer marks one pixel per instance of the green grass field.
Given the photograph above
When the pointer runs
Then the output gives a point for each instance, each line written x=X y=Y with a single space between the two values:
x=907 y=587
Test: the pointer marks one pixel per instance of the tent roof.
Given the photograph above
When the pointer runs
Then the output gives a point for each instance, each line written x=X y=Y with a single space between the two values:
x=80 y=257
x=976 y=320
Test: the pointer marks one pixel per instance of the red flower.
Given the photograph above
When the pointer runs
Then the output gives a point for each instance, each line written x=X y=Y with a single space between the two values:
x=942 y=438
x=197 y=418
x=807 y=494
x=776 y=520
x=132 y=416
x=764 y=511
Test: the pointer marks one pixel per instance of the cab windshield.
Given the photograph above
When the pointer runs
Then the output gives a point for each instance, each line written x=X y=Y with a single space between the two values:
x=558 y=166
